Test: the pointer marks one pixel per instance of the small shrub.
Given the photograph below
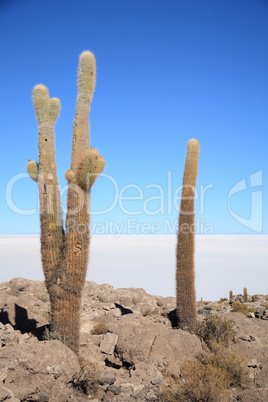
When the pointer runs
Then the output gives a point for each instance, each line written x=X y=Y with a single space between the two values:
x=42 y=296
x=198 y=383
x=149 y=312
x=46 y=335
x=214 y=329
x=223 y=299
x=99 y=329
x=54 y=336
x=232 y=363
x=101 y=298
x=211 y=378
x=242 y=308
x=87 y=380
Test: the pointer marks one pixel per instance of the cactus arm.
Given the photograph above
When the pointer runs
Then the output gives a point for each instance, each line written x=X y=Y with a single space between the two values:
x=185 y=277
x=91 y=166
x=33 y=170
x=47 y=111
x=81 y=126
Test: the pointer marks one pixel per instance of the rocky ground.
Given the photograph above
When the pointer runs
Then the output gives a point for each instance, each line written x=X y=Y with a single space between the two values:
x=127 y=336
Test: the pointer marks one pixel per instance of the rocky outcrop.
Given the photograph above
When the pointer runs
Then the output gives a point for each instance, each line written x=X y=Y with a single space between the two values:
x=128 y=337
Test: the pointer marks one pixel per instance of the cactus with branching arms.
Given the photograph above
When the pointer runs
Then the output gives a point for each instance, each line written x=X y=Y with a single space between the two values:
x=65 y=252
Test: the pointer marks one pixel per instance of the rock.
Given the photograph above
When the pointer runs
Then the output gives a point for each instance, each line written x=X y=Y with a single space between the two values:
x=256 y=349
x=86 y=326
x=256 y=395
x=117 y=313
x=108 y=397
x=204 y=311
x=25 y=312
x=140 y=339
x=253 y=363
x=3 y=372
x=108 y=377
x=8 y=335
x=146 y=372
x=43 y=398
x=18 y=285
x=116 y=390
x=129 y=359
x=108 y=343
x=33 y=369
x=247 y=338
x=5 y=393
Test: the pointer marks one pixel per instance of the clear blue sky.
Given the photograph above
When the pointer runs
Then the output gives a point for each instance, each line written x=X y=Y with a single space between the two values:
x=167 y=71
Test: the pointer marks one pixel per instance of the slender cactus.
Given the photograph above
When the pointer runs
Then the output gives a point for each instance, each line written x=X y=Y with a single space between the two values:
x=230 y=294
x=245 y=295
x=65 y=253
x=185 y=276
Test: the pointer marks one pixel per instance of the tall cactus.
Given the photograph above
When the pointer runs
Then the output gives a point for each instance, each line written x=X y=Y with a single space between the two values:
x=65 y=252
x=185 y=276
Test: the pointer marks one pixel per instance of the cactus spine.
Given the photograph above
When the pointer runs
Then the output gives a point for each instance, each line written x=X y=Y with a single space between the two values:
x=245 y=295
x=65 y=252
x=185 y=276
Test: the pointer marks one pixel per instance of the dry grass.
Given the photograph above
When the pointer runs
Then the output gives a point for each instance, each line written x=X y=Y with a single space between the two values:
x=217 y=371
x=55 y=336
x=233 y=364
x=43 y=297
x=149 y=312
x=215 y=329
x=87 y=380
x=99 y=329
x=101 y=298
x=223 y=299
x=242 y=308
x=210 y=379
x=197 y=383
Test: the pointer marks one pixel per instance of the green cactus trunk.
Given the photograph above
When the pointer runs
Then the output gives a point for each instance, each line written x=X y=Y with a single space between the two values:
x=65 y=253
x=185 y=275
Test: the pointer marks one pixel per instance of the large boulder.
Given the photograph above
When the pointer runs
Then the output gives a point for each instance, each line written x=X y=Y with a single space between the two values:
x=140 y=339
x=30 y=370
